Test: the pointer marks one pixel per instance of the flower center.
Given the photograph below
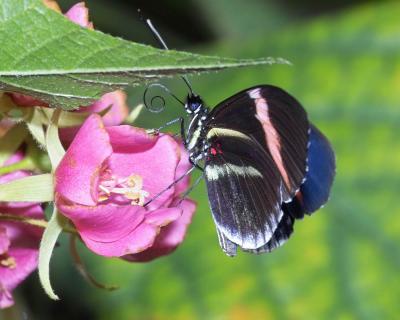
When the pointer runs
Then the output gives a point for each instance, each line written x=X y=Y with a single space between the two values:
x=7 y=261
x=130 y=187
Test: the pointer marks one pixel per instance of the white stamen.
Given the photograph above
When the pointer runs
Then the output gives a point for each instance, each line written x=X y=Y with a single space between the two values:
x=130 y=187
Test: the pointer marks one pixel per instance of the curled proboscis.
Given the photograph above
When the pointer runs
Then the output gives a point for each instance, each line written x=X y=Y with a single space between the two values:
x=157 y=103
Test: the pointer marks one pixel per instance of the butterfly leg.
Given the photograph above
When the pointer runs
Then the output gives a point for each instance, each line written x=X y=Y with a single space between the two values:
x=194 y=159
x=170 y=123
x=194 y=185
x=171 y=185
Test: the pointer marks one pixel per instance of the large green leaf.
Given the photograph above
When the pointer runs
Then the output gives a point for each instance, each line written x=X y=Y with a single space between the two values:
x=45 y=55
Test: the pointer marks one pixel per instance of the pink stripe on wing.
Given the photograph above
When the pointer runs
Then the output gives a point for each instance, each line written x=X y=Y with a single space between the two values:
x=271 y=135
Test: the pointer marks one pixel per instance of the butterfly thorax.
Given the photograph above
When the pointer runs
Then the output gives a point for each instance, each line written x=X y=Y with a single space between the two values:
x=196 y=143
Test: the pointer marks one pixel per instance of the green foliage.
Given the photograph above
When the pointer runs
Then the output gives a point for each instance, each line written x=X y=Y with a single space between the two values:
x=35 y=188
x=54 y=229
x=341 y=263
x=46 y=56
x=230 y=18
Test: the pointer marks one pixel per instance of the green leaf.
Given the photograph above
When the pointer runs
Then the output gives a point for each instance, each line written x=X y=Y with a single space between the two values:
x=53 y=144
x=47 y=244
x=35 y=126
x=11 y=141
x=46 y=56
x=38 y=188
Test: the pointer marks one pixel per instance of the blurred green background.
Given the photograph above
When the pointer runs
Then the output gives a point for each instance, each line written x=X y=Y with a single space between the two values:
x=343 y=262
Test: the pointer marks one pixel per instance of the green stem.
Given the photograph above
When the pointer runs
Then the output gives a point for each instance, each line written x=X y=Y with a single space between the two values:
x=25 y=164
x=37 y=155
x=41 y=223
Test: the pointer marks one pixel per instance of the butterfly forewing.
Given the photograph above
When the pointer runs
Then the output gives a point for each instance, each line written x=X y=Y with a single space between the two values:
x=244 y=192
x=257 y=161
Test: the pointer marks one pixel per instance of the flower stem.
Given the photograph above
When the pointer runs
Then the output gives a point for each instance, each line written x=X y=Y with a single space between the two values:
x=41 y=223
x=82 y=268
x=25 y=164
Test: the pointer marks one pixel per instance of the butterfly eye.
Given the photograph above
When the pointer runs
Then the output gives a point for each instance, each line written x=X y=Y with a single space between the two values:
x=194 y=106
x=194 y=103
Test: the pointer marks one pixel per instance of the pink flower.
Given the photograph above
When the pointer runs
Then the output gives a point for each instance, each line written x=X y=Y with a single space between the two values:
x=23 y=100
x=105 y=178
x=117 y=113
x=115 y=101
x=80 y=15
x=18 y=242
x=169 y=238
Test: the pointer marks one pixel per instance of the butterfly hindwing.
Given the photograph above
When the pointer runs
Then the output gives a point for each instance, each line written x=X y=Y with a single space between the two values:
x=280 y=236
x=314 y=192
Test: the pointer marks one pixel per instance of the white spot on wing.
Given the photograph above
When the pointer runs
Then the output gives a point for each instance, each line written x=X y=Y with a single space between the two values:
x=215 y=172
x=255 y=93
x=227 y=133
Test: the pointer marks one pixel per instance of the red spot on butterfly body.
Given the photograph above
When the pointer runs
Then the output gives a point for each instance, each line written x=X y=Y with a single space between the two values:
x=216 y=149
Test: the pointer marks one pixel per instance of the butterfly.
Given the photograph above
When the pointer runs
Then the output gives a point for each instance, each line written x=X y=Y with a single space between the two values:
x=265 y=165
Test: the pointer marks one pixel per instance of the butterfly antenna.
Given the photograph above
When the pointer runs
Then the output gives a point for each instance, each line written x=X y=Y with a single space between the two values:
x=164 y=45
x=151 y=105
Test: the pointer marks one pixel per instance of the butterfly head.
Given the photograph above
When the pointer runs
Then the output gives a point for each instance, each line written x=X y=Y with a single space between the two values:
x=193 y=104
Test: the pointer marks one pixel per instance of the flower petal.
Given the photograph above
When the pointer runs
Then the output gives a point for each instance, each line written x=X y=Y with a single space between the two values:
x=163 y=217
x=24 y=242
x=103 y=223
x=6 y=299
x=52 y=4
x=13 y=176
x=16 y=157
x=26 y=260
x=79 y=14
x=138 y=240
x=78 y=172
x=128 y=139
x=117 y=113
x=18 y=242
x=183 y=166
x=23 y=100
x=156 y=166
x=4 y=240
x=170 y=236
x=27 y=209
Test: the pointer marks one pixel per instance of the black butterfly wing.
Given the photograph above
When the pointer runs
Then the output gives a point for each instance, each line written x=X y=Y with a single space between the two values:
x=319 y=178
x=313 y=192
x=257 y=161
x=245 y=204
x=280 y=236
x=275 y=120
